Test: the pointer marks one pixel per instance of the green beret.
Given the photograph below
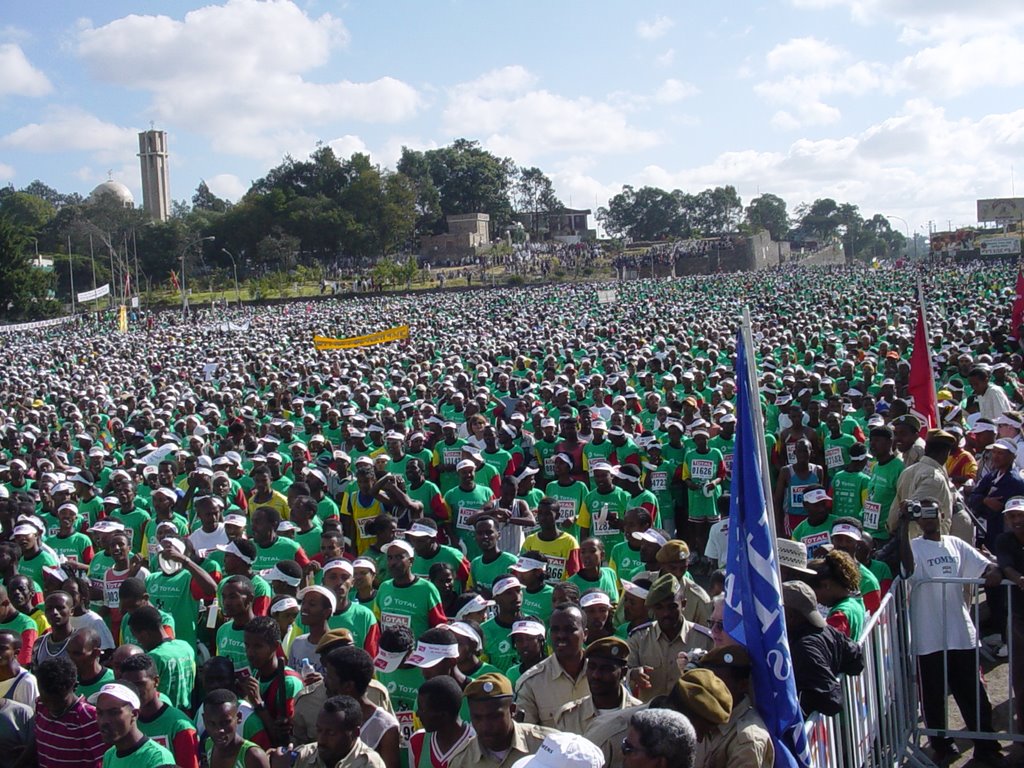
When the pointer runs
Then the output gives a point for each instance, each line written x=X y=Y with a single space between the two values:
x=663 y=588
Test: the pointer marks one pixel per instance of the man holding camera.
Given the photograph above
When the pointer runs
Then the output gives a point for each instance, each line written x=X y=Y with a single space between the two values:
x=943 y=635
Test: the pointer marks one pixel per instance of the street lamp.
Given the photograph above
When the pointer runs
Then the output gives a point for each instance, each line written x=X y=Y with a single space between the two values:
x=184 y=294
x=234 y=268
x=907 y=228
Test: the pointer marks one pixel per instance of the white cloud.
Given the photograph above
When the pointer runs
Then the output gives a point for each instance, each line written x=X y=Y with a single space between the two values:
x=673 y=90
x=919 y=164
x=527 y=123
x=240 y=73
x=347 y=145
x=6 y=172
x=952 y=68
x=812 y=72
x=227 y=186
x=70 y=129
x=657 y=27
x=665 y=59
x=802 y=53
x=20 y=78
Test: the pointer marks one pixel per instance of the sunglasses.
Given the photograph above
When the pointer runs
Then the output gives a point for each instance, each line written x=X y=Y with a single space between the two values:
x=629 y=749
x=716 y=624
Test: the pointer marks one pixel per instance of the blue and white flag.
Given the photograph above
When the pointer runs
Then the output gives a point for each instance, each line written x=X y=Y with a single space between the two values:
x=754 y=615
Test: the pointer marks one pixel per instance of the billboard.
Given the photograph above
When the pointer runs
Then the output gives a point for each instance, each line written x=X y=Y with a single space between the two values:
x=999 y=246
x=1001 y=210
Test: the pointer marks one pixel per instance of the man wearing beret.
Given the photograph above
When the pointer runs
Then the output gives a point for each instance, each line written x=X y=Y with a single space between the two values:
x=607 y=661
x=701 y=695
x=906 y=430
x=498 y=740
x=674 y=558
x=926 y=478
x=743 y=741
x=654 y=650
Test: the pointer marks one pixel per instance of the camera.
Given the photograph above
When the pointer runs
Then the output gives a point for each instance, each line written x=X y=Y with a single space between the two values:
x=918 y=511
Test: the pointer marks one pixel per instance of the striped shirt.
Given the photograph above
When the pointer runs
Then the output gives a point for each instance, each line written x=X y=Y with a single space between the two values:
x=71 y=741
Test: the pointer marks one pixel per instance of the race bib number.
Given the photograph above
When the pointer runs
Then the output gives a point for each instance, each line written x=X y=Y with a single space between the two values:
x=601 y=528
x=364 y=524
x=834 y=457
x=814 y=541
x=796 y=498
x=659 y=481
x=464 y=515
x=406 y=726
x=566 y=511
x=452 y=457
x=549 y=466
x=791 y=452
x=111 y=594
x=702 y=469
x=395 y=620
x=872 y=514
x=727 y=460
x=555 y=569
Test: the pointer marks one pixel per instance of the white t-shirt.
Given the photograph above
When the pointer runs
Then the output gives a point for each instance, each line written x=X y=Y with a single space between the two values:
x=21 y=688
x=93 y=620
x=938 y=615
x=204 y=542
x=718 y=542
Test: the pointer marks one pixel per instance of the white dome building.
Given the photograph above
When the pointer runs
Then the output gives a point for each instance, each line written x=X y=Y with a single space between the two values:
x=112 y=190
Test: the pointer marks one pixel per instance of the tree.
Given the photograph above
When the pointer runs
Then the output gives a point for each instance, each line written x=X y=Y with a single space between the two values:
x=533 y=194
x=205 y=200
x=28 y=211
x=768 y=211
x=716 y=211
x=648 y=213
x=415 y=167
x=24 y=288
x=51 y=195
x=470 y=179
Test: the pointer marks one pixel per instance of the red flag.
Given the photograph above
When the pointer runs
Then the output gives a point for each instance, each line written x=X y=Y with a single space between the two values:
x=174 y=280
x=921 y=384
x=1017 y=316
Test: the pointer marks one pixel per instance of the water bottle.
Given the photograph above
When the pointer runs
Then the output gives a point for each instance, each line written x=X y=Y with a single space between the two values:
x=308 y=670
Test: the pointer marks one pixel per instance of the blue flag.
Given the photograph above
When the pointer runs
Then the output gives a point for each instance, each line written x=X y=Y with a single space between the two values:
x=754 y=615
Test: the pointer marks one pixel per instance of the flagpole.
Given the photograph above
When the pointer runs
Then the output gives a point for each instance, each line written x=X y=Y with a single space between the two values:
x=754 y=387
x=928 y=349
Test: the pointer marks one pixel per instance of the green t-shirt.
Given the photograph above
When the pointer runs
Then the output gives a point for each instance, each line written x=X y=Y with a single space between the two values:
x=618 y=501
x=702 y=467
x=231 y=645
x=127 y=638
x=136 y=522
x=498 y=645
x=570 y=500
x=593 y=451
x=849 y=489
x=837 y=452
x=485 y=574
x=174 y=595
x=149 y=754
x=607 y=582
x=538 y=604
x=461 y=506
x=72 y=547
x=421 y=565
x=165 y=726
x=853 y=609
x=176 y=663
x=325 y=509
x=268 y=557
x=357 y=619
x=409 y=606
x=310 y=540
x=626 y=561
x=881 y=492
x=88 y=689
x=33 y=566
x=814 y=536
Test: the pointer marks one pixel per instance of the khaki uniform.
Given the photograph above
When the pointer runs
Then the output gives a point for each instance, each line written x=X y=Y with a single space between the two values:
x=743 y=742
x=545 y=688
x=698 y=603
x=607 y=732
x=311 y=700
x=576 y=716
x=650 y=647
x=525 y=741
x=925 y=479
x=361 y=756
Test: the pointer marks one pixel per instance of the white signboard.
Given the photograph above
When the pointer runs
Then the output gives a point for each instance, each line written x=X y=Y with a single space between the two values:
x=999 y=246
x=99 y=293
x=606 y=297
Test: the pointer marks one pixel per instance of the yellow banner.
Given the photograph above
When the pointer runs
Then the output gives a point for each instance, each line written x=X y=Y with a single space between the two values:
x=391 y=334
x=122 y=319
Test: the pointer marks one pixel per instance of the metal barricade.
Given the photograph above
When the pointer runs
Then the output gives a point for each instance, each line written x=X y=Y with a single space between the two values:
x=880 y=725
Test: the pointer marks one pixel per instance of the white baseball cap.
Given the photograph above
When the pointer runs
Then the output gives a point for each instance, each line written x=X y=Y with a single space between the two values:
x=563 y=750
x=428 y=655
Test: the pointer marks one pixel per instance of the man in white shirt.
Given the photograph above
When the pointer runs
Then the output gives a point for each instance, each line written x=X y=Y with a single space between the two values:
x=992 y=401
x=943 y=635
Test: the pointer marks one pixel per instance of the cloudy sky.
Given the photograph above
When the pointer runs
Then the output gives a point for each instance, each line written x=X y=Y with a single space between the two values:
x=905 y=107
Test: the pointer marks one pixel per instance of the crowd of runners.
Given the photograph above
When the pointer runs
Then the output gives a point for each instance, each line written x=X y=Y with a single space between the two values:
x=500 y=542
